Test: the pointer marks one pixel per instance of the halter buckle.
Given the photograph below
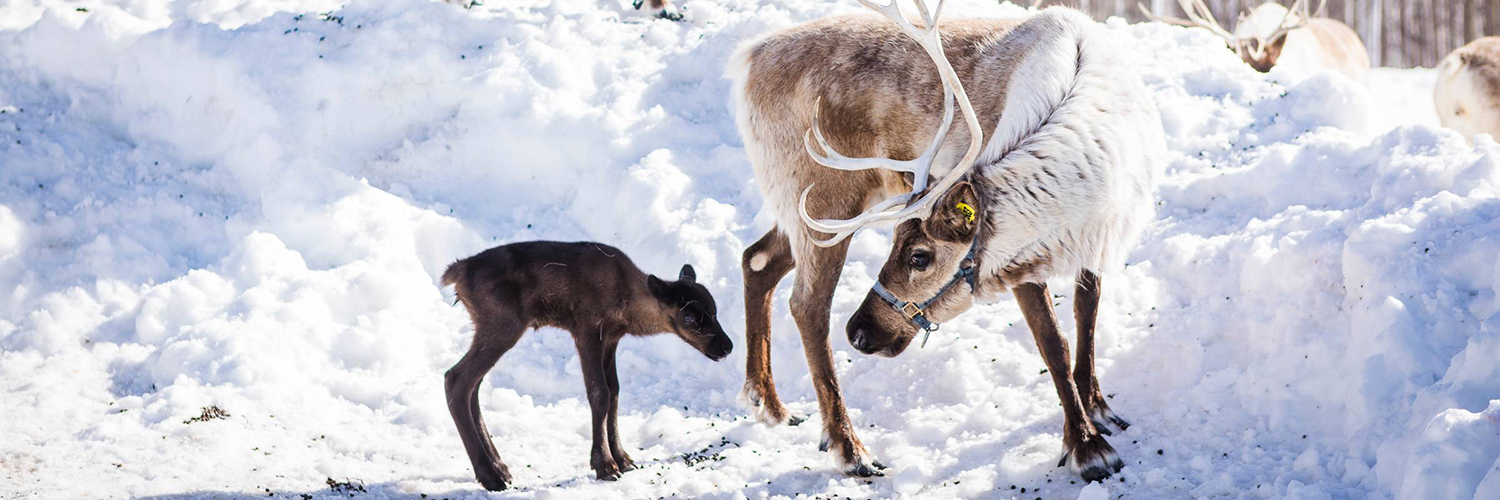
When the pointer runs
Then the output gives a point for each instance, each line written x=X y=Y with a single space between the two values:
x=911 y=310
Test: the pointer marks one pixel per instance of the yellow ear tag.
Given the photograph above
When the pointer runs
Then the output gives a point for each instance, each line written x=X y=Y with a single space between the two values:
x=967 y=210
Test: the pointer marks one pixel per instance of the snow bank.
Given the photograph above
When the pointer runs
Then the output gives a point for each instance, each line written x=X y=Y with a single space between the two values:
x=245 y=206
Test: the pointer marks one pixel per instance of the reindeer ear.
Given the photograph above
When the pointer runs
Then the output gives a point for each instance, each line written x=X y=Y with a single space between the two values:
x=657 y=287
x=687 y=274
x=1273 y=47
x=956 y=216
x=909 y=179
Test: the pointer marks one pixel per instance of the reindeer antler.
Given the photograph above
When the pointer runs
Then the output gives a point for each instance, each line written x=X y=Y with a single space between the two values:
x=919 y=167
x=1198 y=16
x=1301 y=20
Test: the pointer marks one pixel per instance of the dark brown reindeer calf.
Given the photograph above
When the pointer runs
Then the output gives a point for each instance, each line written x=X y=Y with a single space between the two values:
x=591 y=290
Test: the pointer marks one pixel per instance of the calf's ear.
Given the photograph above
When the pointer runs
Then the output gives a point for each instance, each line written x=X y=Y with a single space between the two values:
x=657 y=287
x=687 y=274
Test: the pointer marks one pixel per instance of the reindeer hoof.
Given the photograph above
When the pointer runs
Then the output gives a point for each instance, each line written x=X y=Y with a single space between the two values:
x=1105 y=418
x=496 y=479
x=861 y=465
x=1093 y=460
x=625 y=463
x=864 y=470
x=637 y=4
x=794 y=420
x=670 y=14
x=494 y=482
x=767 y=410
x=608 y=475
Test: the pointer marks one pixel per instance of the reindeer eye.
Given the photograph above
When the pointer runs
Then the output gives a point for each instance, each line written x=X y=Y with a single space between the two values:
x=920 y=259
x=689 y=320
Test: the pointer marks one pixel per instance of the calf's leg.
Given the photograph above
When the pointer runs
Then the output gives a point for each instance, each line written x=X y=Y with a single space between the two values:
x=622 y=459
x=492 y=338
x=591 y=347
x=1091 y=456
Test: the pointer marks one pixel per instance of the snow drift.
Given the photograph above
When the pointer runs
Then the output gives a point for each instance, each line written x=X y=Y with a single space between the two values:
x=245 y=206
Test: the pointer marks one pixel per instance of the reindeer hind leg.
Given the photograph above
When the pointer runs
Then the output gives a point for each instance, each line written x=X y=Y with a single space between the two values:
x=1085 y=312
x=493 y=336
x=765 y=264
x=1086 y=451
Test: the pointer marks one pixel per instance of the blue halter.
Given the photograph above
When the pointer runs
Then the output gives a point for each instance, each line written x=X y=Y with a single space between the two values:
x=917 y=312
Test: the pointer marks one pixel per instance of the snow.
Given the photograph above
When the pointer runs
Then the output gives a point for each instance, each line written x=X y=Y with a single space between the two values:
x=246 y=205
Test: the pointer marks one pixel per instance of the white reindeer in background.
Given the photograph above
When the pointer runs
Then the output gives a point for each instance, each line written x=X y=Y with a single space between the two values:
x=1061 y=188
x=1467 y=94
x=1290 y=38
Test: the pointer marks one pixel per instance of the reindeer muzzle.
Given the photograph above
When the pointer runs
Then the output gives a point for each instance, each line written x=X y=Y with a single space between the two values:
x=916 y=312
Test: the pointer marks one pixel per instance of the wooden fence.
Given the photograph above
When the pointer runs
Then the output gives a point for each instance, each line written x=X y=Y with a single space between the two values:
x=1398 y=33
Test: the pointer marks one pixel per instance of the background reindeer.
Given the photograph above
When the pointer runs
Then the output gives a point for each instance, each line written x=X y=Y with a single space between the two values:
x=1467 y=94
x=1272 y=35
x=1064 y=184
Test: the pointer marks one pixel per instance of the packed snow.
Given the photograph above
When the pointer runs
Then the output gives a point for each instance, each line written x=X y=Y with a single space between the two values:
x=222 y=226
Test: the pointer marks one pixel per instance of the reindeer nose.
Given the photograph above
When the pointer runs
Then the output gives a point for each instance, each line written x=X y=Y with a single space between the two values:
x=720 y=348
x=859 y=339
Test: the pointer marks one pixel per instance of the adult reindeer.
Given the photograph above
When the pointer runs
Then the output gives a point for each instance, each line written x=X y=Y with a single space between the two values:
x=1061 y=189
x=1467 y=94
x=1272 y=35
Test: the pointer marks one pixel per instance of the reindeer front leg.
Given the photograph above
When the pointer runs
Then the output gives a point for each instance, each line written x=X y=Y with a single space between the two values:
x=812 y=298
x=1087 y=453
x=591 y=358
x=622 y=459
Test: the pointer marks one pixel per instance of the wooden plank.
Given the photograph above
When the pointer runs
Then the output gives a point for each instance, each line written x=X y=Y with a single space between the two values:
x=1473 y=19
x=1421 y=33
x=1403 y=20
x=1376 y=40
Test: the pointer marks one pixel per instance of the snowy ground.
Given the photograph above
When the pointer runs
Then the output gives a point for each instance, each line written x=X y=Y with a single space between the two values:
x=245 y=205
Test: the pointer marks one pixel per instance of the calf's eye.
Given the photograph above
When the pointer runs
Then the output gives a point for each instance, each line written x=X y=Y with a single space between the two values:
x=690 y=321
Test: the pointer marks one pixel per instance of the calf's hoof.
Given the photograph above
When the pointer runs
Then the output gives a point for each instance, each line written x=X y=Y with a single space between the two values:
x=613 y=475
x=1093 y=459
x=493 y=484
x=497 y=479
